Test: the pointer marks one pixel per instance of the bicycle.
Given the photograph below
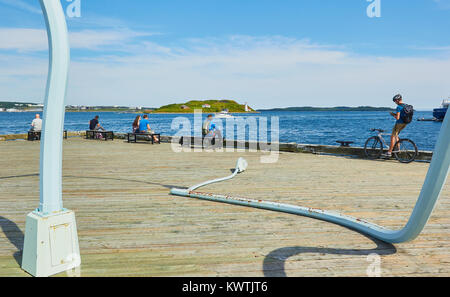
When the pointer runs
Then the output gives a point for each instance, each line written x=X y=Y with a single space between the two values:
x=405 y=150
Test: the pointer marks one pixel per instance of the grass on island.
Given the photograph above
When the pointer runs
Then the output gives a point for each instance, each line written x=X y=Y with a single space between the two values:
x=206 y=106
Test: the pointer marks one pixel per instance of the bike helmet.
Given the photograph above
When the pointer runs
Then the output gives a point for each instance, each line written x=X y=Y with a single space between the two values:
x=397 y=97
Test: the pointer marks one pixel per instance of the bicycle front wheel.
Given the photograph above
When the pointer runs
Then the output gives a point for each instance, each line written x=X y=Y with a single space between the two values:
x=373 y=147
x=405 y=151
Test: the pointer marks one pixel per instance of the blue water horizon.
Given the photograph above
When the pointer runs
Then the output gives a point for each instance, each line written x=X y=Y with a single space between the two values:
x=308 y=127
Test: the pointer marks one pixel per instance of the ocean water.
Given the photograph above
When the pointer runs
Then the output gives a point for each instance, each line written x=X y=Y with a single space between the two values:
x=300 y=127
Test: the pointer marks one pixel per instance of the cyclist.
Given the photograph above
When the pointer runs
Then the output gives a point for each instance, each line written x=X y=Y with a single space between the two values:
x=399 y=124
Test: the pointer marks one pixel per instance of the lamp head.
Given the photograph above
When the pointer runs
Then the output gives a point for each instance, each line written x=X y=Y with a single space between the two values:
x=241 y=165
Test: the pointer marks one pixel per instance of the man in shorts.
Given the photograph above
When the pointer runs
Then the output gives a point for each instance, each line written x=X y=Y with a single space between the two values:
x=399 y=124
x=144 y=127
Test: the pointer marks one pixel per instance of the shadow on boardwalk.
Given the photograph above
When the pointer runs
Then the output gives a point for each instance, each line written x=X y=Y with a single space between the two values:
x=101 y=178
x=274 y=262
x=14 y=235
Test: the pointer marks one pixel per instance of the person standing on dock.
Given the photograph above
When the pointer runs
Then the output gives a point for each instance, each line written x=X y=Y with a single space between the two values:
x=403 y=116
x=36 y=124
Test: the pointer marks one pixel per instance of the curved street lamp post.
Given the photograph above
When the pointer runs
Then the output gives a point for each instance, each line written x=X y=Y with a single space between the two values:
x=51 y=240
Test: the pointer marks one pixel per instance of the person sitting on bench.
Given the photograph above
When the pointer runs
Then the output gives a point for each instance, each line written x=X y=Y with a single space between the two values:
x=207 y=125
x=214 y=132
x=214 y=137
x=144 y=127
x=36 y=124
x=95 y=125
x=136 y=123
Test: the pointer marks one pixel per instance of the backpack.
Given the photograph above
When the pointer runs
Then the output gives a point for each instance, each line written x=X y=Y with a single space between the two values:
x=407 y=113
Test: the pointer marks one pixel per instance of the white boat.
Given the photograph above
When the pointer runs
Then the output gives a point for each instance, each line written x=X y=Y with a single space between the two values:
x=224 y=114
x=13 y=110
x=439 y=113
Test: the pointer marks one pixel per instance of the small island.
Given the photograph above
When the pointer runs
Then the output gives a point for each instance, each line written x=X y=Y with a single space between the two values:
x=338 y=108
x=206 y=106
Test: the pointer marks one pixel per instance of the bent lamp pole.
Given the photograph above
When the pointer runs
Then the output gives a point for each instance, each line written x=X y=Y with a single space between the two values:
x=51 y=240
x=431 y=190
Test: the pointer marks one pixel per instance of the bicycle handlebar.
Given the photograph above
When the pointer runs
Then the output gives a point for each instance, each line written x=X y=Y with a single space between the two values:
x=379 y=130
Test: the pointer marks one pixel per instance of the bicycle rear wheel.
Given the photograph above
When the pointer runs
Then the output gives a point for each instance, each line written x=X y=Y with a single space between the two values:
x=405 y=151
x=373 y=147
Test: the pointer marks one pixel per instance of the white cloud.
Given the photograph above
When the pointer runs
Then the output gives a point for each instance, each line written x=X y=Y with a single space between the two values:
x=32 y=40
x=23 y=5
x=96 y=40
x=23 y=39
x=264 y=71
x=22 y=77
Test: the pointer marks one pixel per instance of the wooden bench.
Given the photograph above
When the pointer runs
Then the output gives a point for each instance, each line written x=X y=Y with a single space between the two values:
x=36 y=135
x=345 y=143
x=190 y=140
x=99 y=134
x=133 y=137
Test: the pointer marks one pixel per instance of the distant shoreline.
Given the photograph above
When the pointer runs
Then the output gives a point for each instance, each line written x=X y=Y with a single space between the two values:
x=338 y=108
x=212 y=112
x=287 y=109
x=191 y=112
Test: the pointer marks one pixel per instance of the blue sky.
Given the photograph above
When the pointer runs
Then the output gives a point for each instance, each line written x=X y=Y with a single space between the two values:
x=266 y=53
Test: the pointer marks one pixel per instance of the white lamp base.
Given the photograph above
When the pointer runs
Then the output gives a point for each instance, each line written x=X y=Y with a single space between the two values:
x=51 y=244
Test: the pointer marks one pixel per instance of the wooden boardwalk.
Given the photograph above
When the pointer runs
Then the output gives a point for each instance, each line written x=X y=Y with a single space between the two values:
x=128 y=224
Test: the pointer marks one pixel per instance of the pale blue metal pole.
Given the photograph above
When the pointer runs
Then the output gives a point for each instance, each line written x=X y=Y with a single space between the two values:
x=54 y=108
x=431 y=190
x=51 y=240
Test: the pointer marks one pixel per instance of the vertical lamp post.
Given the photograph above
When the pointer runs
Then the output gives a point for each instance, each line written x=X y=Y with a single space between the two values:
x=51 y=240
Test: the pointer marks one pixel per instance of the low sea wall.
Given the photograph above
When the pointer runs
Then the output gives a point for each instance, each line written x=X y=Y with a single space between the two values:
x=282 y=147
x=300 y=148
x=25 y=136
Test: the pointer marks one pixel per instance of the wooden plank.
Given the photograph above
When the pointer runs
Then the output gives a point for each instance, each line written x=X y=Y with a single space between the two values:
x=130 y=226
